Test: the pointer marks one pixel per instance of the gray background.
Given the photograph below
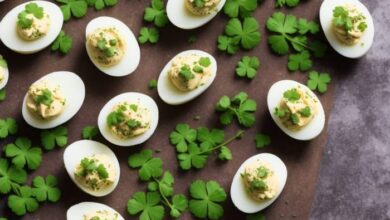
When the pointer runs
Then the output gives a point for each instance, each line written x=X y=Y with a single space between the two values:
x=354 y=180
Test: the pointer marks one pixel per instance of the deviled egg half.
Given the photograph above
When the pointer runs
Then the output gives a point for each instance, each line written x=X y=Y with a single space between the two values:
x=92 y=211
x=112 y=46
x=258 y=182
x=53 y=100
x=296 y=109
x=186 y=76
x=4 y=73
x=128 y=119
x=190 y=14
x=31 y=26
x=92 y=166
x=348 y=26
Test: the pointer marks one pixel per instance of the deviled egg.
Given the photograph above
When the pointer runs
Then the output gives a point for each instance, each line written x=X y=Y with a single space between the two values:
x=53 y=100
x=92 y=166
x=31 y=26
x=190 y=14
x=186 y=76
x=258 y=182
x=128 y=119
x=92 y=211
x=296 y=109
x=112 y=46
x=348 y=26
x=4 y=73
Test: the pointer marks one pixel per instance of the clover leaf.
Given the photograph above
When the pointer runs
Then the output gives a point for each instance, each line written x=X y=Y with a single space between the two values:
x=182 y=136
x=149 y=167
x=10 y=176
x=45 y=189
x=147 y=204
x=248 y=67
x=24 y=202
x=23 y=154
x=8 y=126
x=57 y=136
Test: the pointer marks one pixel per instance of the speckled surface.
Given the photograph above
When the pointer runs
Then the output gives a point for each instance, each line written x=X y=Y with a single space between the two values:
x=354 y=180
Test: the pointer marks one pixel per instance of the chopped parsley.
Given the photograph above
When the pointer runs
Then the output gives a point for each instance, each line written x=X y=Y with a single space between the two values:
x=292 y=95
x=46 y=97
x=186 y=73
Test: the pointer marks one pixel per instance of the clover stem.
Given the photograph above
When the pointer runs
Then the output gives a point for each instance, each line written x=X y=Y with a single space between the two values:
x=165 y=200
x=238 y=134
x=297 y=42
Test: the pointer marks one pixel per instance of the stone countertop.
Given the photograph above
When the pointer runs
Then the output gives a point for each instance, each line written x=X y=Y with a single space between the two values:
x=354 y=180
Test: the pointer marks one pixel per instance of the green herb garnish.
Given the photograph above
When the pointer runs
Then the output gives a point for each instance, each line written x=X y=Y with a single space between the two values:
x=204 y=61
x=89 y=132
x=280 y=112
x=292 y=95
x=305 y=112
x=150 y=35
x=248 y=67
x=56 y=136
x=300 y=61
x=289 y=3
x=30 y=8
x=156 y=13
x=23 y=154
x=75 y=8
x=239 y=8
x=152 y=84
x=46 y=97
x=186 y=73
x=63 y=43
x=318 y=81
x=7 y=126
x=262 y=140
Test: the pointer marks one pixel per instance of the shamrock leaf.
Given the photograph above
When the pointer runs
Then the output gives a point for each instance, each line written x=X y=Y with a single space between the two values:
x=209 y=139
x=148 y=166
x=247 y=32
x=225 y=153
x=75 y=8
x=318 y=81
x=305 y=26
x=193 y=158
x=63 y=43
x=152 y=84
x=179 y=205
x=150 y=35
x=57 y=136
x=247 y=67
x=22 y=203
x=147 y=204
x=101 y=4
x=182 y=136
x=89 y=132
x=46 y=190
x=156 y=13
x=3 y=95
x=8 y=126
x=234 y=8
x=10 y=176
x=206 y=199
x=166 y=184
x=228 y=44
x=22 y=153
x=262 y=140
x=289 y=3
x=300 y=61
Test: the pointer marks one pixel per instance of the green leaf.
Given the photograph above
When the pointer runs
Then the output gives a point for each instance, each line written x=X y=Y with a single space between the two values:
x=152 y=84
x=150 y=35
x=247 y=32
x=46 y=189
x=206 y=199
x=289 y=3
x=227 y=44
x=10 y=176
x=3 y=95
x=182 y=136
x=101 y=4
x=193 y=158
x=57 y=136
x=305 y=26
x=89 y=132
x=278 y=44
x=256 y=216
x=300 y=61
x=235 y=8
x=248 y=67
x=23 y=203
x=148 y=166
x=156 y=13
x=225 y=153
x=166 y=184
x=146 y=204
x=318 y=81
x=63 y=43
x=209 y=139
x=179 y=205
x=8 y=126
x=23 y=154
x=262 y=140
x=75 y=8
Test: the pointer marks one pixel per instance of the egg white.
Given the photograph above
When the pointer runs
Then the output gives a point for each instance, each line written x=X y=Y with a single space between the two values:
x=240 y=197
x=132 y=55
x=358 y=50
x=313 y=128
x=170 y=94
x=130 y=97
x=179 y=15
x=73 y=90
x=4 y=82
x=77 y=211
x=11 y=39
x=77 y=151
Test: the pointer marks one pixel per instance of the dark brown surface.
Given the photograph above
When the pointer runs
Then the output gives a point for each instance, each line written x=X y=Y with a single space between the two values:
x=302 y=158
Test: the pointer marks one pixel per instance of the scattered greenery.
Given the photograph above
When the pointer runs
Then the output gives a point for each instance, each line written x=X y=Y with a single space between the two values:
x=8 y=126
x=150 y=35
x=239 y=8
x=256 y=216
x=248 y=67
x=286 y=31
x=240 y=106
x=89 y=132
x=206 y=199
x=23 y=154
x=318 y=81
x=101 y=4
x=30 y=8
x=245 y=34
x=195 y=145
x=3 y=95
x=289 y=3
x=300 y=61
x=262 y=140
x=156 y=13
x=23 y=202
x=10 y=177
x=75 y=8
x=57 y=136
x=192 y=39
x=63 y=43
x=149 y=166
x=45 y=189
x=152 y=84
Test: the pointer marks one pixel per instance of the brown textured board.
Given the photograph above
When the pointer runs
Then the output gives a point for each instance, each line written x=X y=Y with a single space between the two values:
x=302 y=158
